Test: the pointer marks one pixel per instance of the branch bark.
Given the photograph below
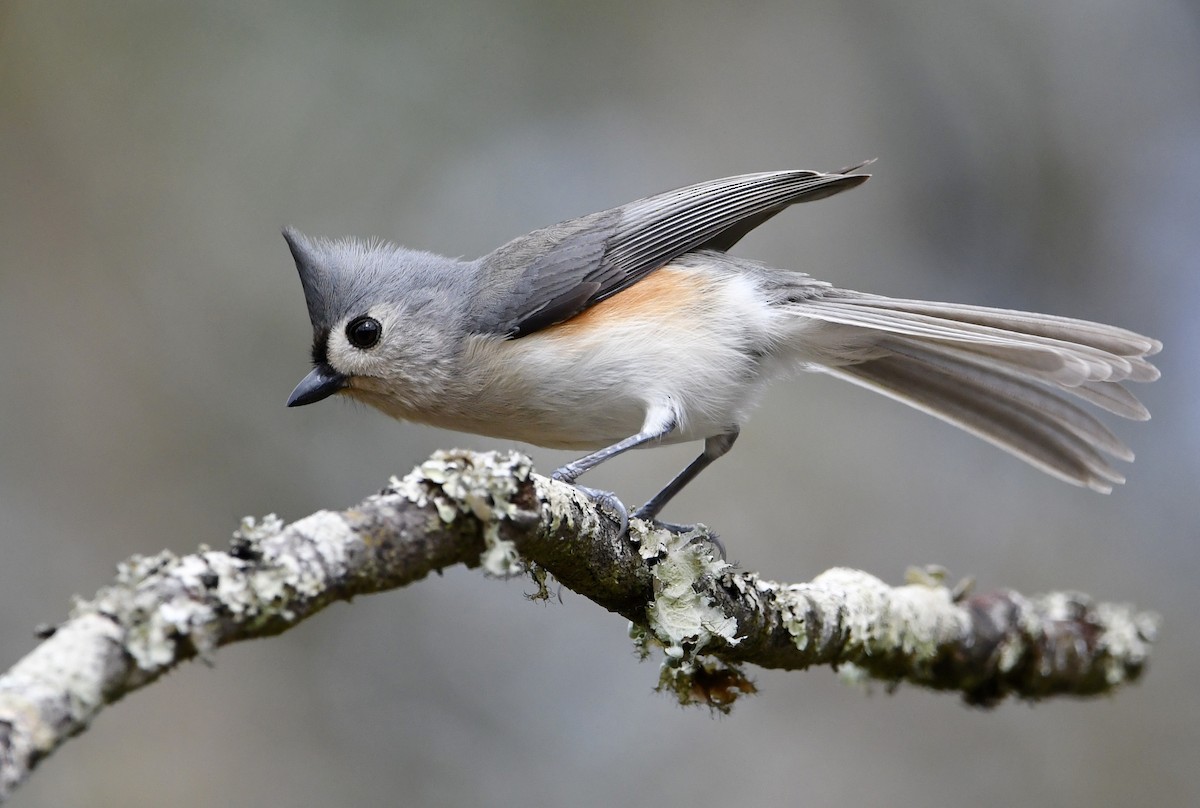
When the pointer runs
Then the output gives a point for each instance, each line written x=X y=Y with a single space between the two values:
x=491 y=510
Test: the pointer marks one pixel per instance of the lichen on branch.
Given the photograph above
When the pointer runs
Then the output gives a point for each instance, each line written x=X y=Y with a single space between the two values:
x=491 y=510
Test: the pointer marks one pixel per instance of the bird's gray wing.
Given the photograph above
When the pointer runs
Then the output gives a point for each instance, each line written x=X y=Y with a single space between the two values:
x=553 y=274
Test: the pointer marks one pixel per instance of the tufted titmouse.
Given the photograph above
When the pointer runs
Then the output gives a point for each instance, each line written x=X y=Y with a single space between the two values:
x=633 y=327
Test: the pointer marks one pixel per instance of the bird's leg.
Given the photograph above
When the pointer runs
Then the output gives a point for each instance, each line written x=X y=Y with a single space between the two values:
x=653 y=431
x=714 y=447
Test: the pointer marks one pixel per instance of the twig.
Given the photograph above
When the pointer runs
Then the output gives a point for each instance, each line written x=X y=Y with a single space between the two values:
x=491 y=510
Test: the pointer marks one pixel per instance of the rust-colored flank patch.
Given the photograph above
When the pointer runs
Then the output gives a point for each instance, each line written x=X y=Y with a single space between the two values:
x=658 y=296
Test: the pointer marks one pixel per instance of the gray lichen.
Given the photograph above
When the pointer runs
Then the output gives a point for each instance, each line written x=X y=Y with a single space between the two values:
x=684 y=620
x=868 y=617
x=681 y=617
x=459 y=507
x=486 y=484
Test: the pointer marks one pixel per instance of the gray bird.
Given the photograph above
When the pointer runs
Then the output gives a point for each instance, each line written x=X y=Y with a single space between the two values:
x=633 y=326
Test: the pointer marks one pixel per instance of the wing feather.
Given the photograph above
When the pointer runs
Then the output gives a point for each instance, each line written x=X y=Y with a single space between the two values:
x=552 y=274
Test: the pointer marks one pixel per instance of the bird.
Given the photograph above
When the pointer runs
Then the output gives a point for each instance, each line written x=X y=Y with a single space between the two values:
x=635 y=327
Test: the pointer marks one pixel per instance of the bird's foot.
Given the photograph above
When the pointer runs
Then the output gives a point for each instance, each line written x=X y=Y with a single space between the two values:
x=703 y=534
x=609 y=501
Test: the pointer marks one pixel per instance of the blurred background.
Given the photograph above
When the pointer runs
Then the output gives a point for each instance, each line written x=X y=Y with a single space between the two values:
x=1031 y=154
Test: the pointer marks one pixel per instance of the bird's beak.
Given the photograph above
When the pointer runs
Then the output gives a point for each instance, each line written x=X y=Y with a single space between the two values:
x=321 y=382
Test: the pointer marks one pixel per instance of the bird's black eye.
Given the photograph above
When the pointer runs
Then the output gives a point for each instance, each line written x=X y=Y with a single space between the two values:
x=363 y=332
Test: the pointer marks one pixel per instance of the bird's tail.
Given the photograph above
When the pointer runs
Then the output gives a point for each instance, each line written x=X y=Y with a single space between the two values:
x=996 y=373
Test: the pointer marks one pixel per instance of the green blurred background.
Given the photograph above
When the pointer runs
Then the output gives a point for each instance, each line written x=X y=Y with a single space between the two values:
x=1033 y=154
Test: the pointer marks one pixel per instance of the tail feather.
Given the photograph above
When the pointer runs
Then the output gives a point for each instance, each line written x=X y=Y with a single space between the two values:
x=1013 y=426
x=1070 y=361
x=997 y=374
x=1099 y=390
x=1108 y=338
x=1114 y=398
x=999 y=383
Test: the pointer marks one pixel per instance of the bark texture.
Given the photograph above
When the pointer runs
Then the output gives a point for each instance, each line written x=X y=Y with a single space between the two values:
x=491 y=510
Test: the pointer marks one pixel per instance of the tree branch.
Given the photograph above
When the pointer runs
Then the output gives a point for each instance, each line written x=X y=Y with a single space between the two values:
x=491 y=510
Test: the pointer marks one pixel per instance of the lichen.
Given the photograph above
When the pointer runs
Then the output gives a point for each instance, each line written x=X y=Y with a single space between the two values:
x=1126 y=640
x=643 y=641
x=680 y=616
x=310 y=563
x=563 y=502
x=869 y=618
x=683 y=621
x=255 y=531
x=484 y=485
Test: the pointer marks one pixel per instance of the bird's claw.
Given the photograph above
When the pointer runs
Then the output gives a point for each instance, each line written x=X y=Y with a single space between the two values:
x=609 y=499
x=703 y=535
